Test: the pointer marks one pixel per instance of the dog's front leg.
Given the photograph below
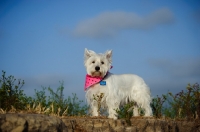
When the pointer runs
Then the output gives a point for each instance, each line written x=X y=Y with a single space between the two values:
x=112 y=113
x=94 y=108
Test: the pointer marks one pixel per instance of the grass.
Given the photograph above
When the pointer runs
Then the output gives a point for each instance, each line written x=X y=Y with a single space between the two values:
x=183 y=105
x=13 y=99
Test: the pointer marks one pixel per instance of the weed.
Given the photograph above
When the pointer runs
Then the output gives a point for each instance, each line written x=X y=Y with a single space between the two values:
x=11 y=94
x=185 y=104
x=75 y=106
x=126 y=112
x=57 y=104
x=98 y=99
x=12 y=99
x=157 y=105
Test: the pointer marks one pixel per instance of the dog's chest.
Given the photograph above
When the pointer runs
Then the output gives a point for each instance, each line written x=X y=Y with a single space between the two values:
x=101 y=84
x=100 y=87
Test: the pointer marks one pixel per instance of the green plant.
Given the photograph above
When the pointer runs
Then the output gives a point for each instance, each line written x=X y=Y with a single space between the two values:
x=185 y=104
x=56 y=99
x=56 y=104
x=126 y=112
x=13 y=99
x=157 y=105
x=75 y=106
x=40 y=97
x=11 y=94
x=98 y=99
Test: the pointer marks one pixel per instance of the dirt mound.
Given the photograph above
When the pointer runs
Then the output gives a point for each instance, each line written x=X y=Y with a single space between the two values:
x=37 y=122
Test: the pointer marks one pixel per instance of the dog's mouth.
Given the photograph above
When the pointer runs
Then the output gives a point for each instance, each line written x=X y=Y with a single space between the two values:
x=96 y=74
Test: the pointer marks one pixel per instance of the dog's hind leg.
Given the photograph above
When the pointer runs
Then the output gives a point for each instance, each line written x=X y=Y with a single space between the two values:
x=135 y=110
x=113 y=105
x=112 y=113
x=148 y=110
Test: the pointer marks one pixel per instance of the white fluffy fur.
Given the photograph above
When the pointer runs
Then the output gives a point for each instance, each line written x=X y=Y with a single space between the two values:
x=119 y=89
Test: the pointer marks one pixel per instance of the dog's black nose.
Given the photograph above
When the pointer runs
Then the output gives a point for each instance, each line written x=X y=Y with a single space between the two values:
x=97 y=68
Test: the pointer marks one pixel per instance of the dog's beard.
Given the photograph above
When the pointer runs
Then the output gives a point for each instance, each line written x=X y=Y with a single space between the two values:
x=96 y=74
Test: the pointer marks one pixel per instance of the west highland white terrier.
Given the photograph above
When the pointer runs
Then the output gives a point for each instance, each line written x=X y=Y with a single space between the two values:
x=117 y=90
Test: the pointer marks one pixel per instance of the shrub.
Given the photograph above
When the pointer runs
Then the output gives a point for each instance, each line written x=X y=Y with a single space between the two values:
x=157 y=105
x=13 y=97
x=75 y=106
x=40 y=97
x=57 y=104
x=126 y=112
x=11 y=93
x=185 y=104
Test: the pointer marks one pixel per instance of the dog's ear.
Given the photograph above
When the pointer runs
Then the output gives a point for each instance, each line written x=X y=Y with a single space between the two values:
x=109 y=55
x=88 y=53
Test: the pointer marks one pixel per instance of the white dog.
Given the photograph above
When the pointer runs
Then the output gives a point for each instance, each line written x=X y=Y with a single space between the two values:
x=117 y=89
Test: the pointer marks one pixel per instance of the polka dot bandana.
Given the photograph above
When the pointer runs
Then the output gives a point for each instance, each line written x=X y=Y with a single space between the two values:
x=89 y=81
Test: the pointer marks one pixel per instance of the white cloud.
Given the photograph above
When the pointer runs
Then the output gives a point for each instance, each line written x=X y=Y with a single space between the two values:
x=111 y=23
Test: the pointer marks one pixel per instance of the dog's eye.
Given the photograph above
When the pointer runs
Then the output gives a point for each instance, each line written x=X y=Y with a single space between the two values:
x=102 y=62
x=93 y=62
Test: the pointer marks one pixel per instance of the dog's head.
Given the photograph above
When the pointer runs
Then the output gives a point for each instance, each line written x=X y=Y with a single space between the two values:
x=97 y=65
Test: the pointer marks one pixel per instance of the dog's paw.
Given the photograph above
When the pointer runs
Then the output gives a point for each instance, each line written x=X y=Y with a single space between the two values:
x=112 y=117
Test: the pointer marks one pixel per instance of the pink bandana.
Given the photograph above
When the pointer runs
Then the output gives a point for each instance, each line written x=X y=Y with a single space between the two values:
x=89 y=81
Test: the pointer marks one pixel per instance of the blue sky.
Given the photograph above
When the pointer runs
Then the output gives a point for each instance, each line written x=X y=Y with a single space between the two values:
x=43 y=42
